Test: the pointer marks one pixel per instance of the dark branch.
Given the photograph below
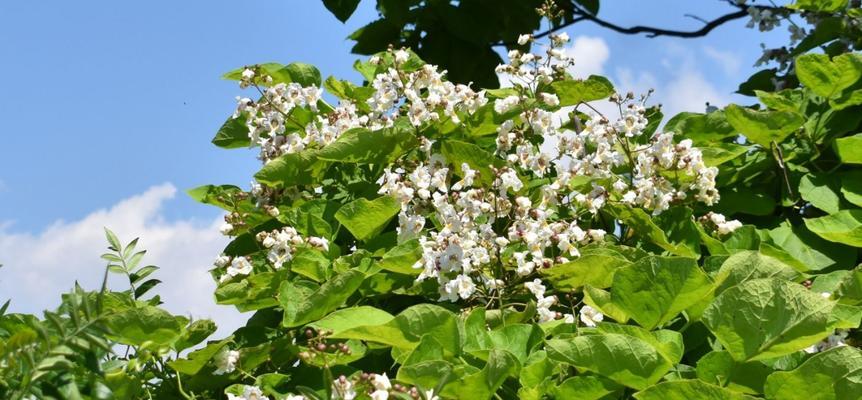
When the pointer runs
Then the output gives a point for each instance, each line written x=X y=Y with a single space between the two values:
x=650 y=32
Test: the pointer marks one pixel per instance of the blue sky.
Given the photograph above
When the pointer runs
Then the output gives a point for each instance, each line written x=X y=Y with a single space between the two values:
x=109 y=107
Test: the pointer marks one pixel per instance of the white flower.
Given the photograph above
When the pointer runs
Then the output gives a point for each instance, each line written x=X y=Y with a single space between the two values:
x=342 y=388
x=239 y=266
x=249 y=393
x=381 y=382
x=536 y=287
x=502 y=106
x=509 y=179
x=379 y=395
x=222 y=261
x=401 y=56
x=590 y=316
x=295 y=397
x=226 y=229
x=550 y=99
x=429 y=395
x=226 y=361
x=524 y=39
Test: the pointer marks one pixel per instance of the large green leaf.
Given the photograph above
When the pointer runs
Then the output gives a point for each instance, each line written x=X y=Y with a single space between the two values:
x=366 y=218
x=849 y=149
x=835 y=374
x=704 y=129
x=812 y=252
x=197 y=359
x=643 y=225
x=655 y=289
x=407 y=328
x=719 y=368
x=825 y=77
x=574 y=92
x=483 y=384
x=304 y=74
x=625 y=359
x=844 y=226
x=748 y=265
x=689 y=389
x=401 y=258
x=586 y=387
x=292 y=169
x=596 y=270
x=821 y=191
x=253 y=292
x=232 y=134
x=766 y=318
x=849 y=291
x=851 y=186
x=363 y=146
x=763 y=127
x=349 y=318
x=341 y=9
x=299 y=309
x=137 y=325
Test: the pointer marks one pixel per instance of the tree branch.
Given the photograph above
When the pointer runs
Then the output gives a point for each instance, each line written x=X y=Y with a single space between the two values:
x=650 y=32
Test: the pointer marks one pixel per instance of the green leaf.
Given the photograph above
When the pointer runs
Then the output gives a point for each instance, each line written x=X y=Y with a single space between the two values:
x=850 y=289
x=349 y=318
x=363 y=146
x=625 y=359
x=687 y=389
x=596 y=270
x=574 y=92
x=763 y=127
x=195 y=333
x=811 y=252
x=785 y=100
x=643 y=225
x=748 y=265
x=720 y=153
x=300 y=309
x=703 y=129
x=483 y=384
x=601 y=300
x=292 y=169
x=197 y=359
x=849 y=149
x=844 y=227
x=719 y=368
x=401 y=258
x=366 y=218
x=341 y=9
x=655 y=289
x=851 y=187
x=458 y=153
x=253 y=292
x=825 y=77
x=304 y=74
x=586 y=387
x=767 y=318
x=135 y=326
x=821 y=191
x=233 y=134
x=407 y=328
x=835 y=374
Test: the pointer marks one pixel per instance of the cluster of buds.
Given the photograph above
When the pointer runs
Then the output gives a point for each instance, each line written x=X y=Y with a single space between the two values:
x=318 y=348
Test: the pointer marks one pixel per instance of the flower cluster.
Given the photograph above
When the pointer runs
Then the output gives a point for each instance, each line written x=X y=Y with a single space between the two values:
x=720 y=223
x=376 y=386
x=281 y=244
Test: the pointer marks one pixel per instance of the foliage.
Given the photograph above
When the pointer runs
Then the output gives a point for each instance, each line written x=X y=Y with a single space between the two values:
x=428 y=240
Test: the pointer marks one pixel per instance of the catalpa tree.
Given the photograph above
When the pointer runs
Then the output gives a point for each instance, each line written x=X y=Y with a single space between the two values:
x=411 y=237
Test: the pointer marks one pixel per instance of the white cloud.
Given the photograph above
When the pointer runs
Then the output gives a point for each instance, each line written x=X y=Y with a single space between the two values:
x=39 y=267
x=590 y=54
x=728 y=61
